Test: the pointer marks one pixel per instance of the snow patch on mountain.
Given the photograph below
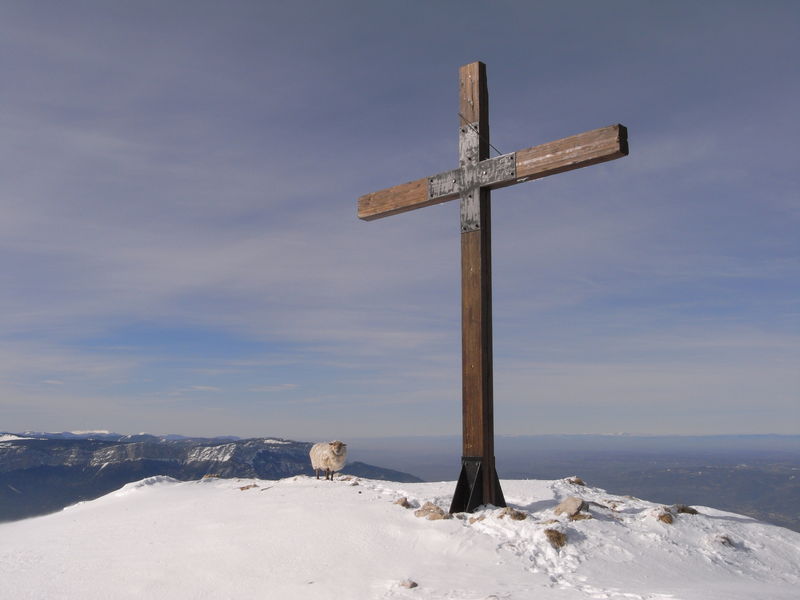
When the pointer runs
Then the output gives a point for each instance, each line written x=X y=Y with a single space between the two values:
x=10 y=437
x=129 y=488
x=211 y=453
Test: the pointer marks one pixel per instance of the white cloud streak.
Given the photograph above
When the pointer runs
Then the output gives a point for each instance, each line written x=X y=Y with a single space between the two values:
x=183 y=179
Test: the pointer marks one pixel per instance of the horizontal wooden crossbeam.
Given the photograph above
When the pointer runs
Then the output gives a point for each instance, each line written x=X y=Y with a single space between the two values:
x=574 y=152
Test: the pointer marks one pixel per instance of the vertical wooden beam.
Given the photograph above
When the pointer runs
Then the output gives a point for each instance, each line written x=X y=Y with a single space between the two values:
x=473 y=102
x=476 y=274
x=476 y=342
x=478 y=482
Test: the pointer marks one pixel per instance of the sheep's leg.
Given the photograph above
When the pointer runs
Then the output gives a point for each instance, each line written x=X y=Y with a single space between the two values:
x=328 y=473
x=317 y=472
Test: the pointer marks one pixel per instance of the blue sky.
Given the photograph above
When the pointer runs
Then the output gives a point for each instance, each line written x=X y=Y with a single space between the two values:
x=179 y=247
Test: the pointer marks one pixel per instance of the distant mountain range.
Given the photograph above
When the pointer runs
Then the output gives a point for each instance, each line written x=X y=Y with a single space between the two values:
x=44 y=472
x=754 y=475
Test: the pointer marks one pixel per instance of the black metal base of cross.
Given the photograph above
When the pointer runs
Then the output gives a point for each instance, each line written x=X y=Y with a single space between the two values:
x=469 y=492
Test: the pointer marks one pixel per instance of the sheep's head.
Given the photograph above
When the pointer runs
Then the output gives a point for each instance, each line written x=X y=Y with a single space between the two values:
x=338 y=447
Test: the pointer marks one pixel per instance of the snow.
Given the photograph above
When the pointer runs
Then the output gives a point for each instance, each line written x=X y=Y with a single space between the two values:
x=91 y=432
x=10 y=437
x=304 y=538
x=212 y=453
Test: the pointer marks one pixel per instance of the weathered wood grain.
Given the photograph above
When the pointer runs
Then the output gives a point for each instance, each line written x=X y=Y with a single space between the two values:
x=477 y=393
x=476 y=340
x=574 y=152
x=395 y=200
x=473 y=102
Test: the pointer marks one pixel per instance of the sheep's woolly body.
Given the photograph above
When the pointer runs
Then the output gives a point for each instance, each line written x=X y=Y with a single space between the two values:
x=329 y=457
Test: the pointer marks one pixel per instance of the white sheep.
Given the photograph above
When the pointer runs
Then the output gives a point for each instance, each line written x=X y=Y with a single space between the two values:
x=329 y=456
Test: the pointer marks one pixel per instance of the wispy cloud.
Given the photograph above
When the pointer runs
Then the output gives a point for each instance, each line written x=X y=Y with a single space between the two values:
x=282 y=387
x=197 y=171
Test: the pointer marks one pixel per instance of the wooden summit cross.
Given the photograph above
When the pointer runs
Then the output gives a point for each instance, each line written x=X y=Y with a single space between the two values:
x=472 y=181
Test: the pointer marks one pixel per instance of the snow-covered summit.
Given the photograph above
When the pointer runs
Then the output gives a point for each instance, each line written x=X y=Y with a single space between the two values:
x=305 y=538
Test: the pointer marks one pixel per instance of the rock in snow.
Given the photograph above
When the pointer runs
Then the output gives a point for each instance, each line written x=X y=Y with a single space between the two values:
x=431 y=512
x=570 y=506
x=301 y=538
